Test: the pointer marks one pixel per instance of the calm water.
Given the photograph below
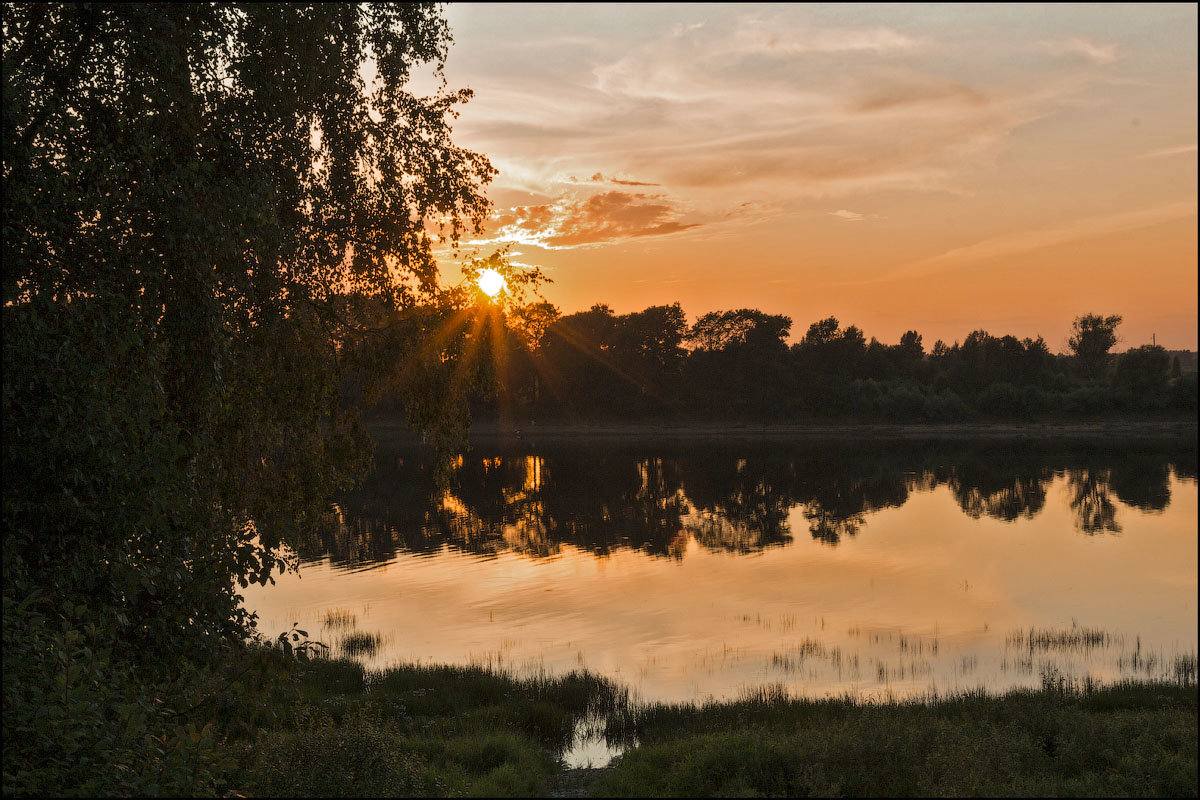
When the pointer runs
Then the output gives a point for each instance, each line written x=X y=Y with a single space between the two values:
x=693 y=572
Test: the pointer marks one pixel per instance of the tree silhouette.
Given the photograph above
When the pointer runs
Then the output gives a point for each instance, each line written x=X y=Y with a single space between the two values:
x=207 y=209
x=1144 y=373
x=1091 y=338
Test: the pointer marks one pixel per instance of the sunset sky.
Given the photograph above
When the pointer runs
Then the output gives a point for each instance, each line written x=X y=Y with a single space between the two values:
x=929 y=167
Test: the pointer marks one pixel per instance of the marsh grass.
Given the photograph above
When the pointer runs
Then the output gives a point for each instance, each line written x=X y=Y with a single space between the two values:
x=1072 y=737
x=1043 y=640
x=469 y=731
x=1183 y=669
x=360 y=643
x=423 y=731
x=339 y=619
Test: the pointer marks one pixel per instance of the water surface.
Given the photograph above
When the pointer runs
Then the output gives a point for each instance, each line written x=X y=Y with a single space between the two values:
x=708 y=571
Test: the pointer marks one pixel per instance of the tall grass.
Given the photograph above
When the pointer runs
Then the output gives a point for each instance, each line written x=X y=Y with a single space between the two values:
x=360 y=643
x=339 y=619
x=1073 y=737
x=466 y=730
x=1077 y=638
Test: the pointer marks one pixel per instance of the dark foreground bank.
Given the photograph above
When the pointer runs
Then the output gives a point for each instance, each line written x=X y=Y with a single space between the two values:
x=464 y=731
x=261 y=722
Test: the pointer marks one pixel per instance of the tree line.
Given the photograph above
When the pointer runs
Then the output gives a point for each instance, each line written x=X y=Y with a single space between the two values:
x=738 y=364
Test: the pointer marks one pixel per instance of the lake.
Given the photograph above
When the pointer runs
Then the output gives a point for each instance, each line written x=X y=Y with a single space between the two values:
x=688 y=572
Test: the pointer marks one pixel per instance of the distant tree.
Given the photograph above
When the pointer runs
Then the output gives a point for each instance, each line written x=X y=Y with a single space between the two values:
x=533 y=320
x=1144 y=372
x=719 y=330
x=1091 y=338
x=822 y=332
x=830 y=350
x=740 y=361
x=910 y=346
x=590 y=331
x=881 y=361
x=907 y=357
x=648 y=347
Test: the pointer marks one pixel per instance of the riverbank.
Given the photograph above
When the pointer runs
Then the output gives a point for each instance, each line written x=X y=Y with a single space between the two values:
x=392 y=430
x=459 y=731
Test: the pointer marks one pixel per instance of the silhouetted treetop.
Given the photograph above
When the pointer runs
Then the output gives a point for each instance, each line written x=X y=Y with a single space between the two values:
x=719 y=330
x=1091 y=338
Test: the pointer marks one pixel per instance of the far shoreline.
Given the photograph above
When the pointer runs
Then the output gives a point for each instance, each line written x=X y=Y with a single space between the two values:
x=393 y=430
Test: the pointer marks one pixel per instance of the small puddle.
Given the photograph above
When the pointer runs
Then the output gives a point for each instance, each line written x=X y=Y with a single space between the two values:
x=588 y=749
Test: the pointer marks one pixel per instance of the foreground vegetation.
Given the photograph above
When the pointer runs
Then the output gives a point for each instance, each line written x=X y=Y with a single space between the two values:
x=1127 y=740
x=270 y=725
x=451 y=730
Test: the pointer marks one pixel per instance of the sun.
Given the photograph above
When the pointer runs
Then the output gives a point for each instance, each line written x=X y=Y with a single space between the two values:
x=490 y=282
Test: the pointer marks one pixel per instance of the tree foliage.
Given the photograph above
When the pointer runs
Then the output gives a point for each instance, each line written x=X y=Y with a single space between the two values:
x=597 y=363
x=207 y=206
x=218 y=231
x=1092 y=336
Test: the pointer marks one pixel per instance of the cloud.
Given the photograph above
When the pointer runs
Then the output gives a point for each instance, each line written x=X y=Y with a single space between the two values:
x=1095 y=52
x=759 y=36
x=849 y=216
x=680 y=65
x=833 y=111
x=892 y=94
x=781 y=106
x=1170 y=151
x=598 y=178
x=602 y=218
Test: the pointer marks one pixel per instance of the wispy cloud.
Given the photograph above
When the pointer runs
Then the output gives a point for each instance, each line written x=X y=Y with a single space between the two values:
x=778 y=110
x=1096 y=52
x=776 y=105
x=599 y=178
x=1170 y=151
x=768 y=36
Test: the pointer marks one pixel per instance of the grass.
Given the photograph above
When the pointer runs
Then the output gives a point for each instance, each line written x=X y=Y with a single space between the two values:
x=1133 y=739
x=339 y=619
x=420 y=731
x=468 y=731
x=1077 y=638
x=360 y=643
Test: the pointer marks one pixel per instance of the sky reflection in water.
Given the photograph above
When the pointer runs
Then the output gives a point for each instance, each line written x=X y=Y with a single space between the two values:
x=688 y=573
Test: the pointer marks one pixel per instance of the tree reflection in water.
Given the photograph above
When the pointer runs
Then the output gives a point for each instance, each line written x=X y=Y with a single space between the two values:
x=738 y=499
x=1094 y=509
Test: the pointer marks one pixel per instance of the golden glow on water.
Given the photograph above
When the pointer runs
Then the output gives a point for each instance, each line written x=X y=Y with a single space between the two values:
x=923 y=596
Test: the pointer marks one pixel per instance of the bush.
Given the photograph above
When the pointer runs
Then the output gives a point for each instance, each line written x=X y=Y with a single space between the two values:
x=1092 y=399
x=78 y=721
x=1001 y=399
x=361 y=758
x=1142 y=375
x=1183 y=392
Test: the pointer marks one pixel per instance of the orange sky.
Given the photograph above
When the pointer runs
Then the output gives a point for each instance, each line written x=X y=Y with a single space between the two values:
x=942 y=168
